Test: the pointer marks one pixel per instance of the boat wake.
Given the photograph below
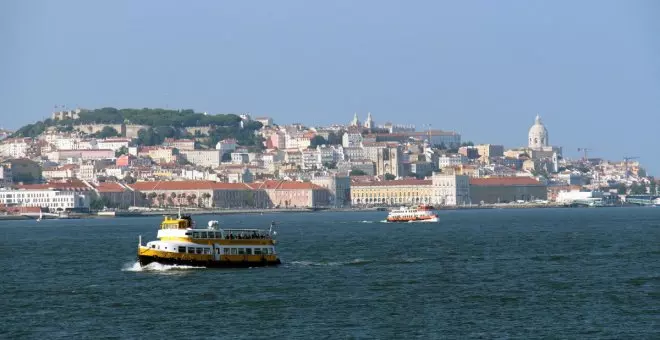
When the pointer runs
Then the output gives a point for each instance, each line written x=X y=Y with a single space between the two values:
x=154 y=267
x=365 y=221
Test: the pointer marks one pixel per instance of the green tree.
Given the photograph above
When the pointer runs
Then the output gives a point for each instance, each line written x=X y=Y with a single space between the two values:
x=107 y=131
x=357 y=172
x=122 y=151
x=638 y=189
x=317 y=141
x=389 y=177
x=335 y=138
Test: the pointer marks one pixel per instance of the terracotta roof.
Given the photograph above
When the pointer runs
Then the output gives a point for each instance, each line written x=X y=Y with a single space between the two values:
x=74 y=185
x=504 y=181
x=399 y=182
x=110 y=187
x=186 y=185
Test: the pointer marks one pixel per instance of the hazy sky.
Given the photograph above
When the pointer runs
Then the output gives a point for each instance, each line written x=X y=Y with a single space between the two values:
x=482 y=68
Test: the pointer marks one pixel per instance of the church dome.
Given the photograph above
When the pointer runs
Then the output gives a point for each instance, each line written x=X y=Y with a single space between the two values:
x=538 y=134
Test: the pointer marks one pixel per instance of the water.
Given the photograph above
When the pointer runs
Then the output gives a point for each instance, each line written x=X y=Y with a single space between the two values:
x=490 y=274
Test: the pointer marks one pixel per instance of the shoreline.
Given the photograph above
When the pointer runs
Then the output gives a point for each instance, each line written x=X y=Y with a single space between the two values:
x=202 y=212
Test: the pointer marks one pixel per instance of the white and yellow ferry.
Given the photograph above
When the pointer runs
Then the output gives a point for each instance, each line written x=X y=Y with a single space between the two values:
x=181 y=243
x=422 y=213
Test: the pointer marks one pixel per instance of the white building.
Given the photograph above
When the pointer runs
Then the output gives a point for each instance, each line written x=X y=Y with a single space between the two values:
x=210 y=158
x=240 y=157
x=339 y=188
x=351 y=138
x=14 y=148
x=450 y=189
x=54 y=200
x=5 y=176
x=451 y=160
x=226 y=145
x=113 y=143
x=310 y=159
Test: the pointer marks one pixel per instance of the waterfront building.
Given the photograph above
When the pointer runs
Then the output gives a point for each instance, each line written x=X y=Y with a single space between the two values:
x=339 y=188
x=450 y=189
x=392 y=193
x=506 y=189
x=55 y=197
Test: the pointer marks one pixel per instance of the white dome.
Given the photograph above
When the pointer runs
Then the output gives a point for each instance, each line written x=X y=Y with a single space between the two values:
x=538 y=134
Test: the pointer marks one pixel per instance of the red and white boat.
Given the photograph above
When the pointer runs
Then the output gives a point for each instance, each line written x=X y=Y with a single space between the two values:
x=422 y=213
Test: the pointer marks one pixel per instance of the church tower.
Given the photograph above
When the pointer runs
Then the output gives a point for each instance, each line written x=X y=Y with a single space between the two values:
x=355 y=122
x=538 y=135
x=369 y=123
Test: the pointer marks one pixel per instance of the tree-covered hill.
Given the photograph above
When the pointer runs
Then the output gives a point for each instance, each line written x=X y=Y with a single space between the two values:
x=162 y=123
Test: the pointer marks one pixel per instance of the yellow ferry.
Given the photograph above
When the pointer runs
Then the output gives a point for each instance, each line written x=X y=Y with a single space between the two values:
x=181 y=243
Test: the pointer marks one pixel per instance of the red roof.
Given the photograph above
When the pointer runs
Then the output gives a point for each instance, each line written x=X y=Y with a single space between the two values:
x=109 y=187
x=504 y=181
x=399 y=182
x=74 y=185
x=186 y=185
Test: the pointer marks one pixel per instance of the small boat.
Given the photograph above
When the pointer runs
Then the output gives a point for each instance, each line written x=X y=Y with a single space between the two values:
x=181 y=243
x=421 y=213
x=40 y=216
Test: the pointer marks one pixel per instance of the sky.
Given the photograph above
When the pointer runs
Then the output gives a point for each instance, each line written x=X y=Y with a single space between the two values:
x=485 y=69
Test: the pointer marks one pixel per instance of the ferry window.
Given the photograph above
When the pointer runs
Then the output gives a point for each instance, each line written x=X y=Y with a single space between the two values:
x=198 y=250
x=188 y=233
x=217 y=250
x=234 y=251
x=248 y=251
x=241 y=251
x=207 y=251
x=195 y=234
x=257 y=251
x=191 y=250
x=182 y=249
x=270 y=250
x=264 y=251
x=153 y=246
x=204 y=235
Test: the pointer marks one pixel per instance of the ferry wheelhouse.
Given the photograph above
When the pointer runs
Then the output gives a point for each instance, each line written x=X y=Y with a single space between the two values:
x=181 y=243
x=422 y=213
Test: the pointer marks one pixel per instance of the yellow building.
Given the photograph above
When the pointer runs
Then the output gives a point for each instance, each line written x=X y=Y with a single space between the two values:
x=407 y=191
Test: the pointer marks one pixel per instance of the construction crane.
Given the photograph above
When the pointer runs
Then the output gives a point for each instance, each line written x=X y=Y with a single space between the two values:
x=585 y=150
x=625 y=160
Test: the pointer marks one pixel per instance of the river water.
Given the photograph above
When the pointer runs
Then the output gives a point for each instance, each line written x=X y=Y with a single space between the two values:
x=482 y=274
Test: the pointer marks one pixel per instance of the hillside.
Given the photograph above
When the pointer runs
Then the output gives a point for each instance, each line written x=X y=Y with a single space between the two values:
x=162 y=124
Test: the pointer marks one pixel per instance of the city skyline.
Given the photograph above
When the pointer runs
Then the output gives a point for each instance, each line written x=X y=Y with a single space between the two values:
x=481 y=69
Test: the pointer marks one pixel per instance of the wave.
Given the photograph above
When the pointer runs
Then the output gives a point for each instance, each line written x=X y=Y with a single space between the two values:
x=154 y=267
x=365 y=221
x=353 y=262
x=409 y=260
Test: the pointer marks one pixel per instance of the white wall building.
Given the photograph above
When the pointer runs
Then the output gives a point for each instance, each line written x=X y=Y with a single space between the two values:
x=54 y=200
x=14 y=148
x=351 y=139
x=210 y=158
x=451 y=160
x=113 y=143
x=450 y=189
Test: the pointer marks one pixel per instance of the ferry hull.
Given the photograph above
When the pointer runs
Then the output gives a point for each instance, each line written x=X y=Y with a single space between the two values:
x=426 y=220
x=147 y=259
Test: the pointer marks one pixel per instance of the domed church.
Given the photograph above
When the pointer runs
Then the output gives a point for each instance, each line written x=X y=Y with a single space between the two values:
x=538 y=135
